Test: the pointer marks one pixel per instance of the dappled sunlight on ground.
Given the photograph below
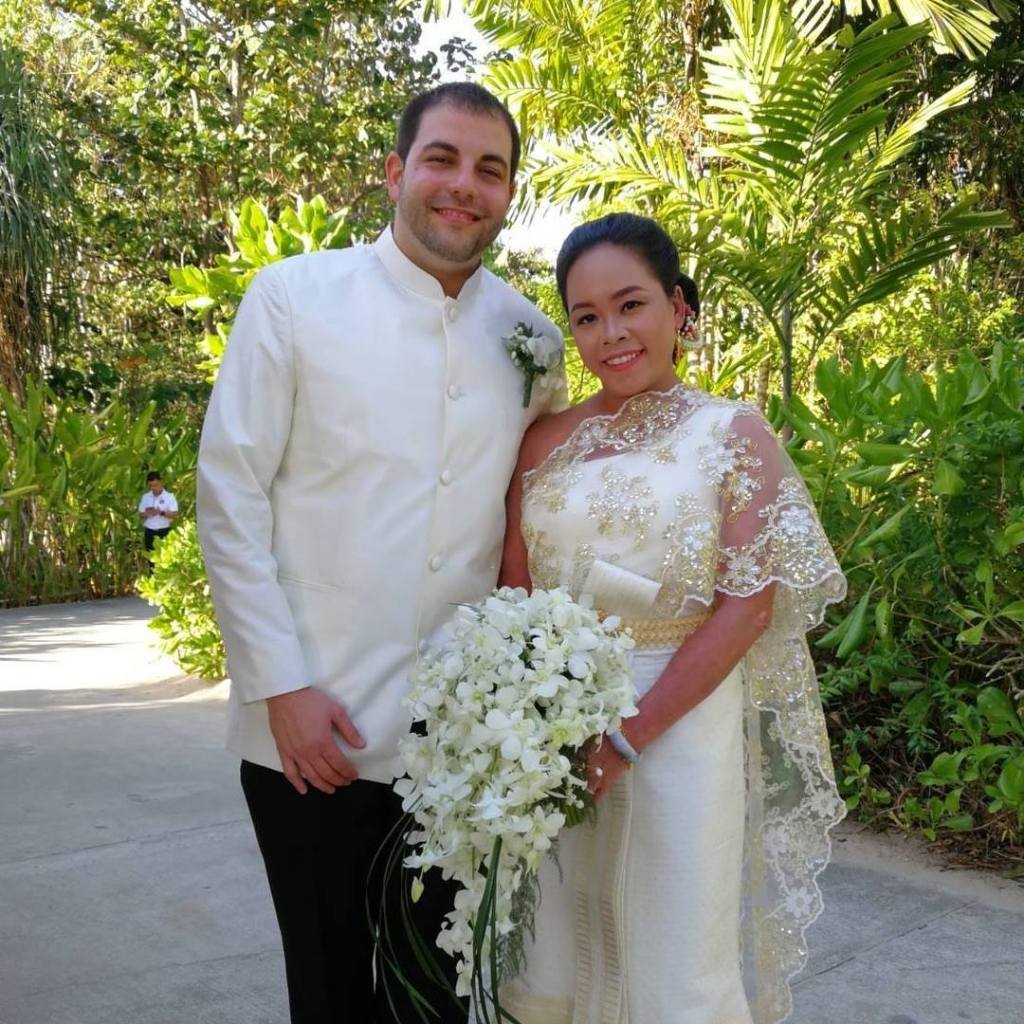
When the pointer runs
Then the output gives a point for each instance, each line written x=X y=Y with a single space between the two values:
x=91 y=649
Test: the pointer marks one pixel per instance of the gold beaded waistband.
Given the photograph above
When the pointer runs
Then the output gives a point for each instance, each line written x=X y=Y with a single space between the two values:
x=663 y=632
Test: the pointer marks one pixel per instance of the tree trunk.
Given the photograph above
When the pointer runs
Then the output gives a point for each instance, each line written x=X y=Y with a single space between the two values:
x=786 y=339
x=761 y=387
x=787 y=365
x=21 y=348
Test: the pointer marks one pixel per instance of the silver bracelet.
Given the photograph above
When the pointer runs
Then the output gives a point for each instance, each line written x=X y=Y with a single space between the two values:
x=624 y=748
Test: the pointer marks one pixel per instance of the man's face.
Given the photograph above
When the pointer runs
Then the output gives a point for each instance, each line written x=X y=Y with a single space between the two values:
x=453 y=190
x=156 y=486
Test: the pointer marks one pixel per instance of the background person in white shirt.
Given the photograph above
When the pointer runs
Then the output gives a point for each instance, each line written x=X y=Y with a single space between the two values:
x=158 y=509
x=352 y=474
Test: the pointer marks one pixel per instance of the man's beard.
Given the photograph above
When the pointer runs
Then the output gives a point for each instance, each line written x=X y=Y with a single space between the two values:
x=453 y=250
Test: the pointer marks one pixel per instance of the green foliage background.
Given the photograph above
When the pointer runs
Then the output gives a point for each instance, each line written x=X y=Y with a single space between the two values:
x=70 y=483
x=920 y=482
x=846 y=184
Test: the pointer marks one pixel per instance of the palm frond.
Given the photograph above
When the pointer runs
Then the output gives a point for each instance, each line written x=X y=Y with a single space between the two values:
x=547 y=27
x=960 y=26
x=627 y=164
x=814 y=125
x=556 y=96
x=877 y=256
x=901 y=140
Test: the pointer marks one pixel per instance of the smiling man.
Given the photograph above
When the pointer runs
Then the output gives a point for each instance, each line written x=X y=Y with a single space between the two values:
x=352 y=473
x=450 y=209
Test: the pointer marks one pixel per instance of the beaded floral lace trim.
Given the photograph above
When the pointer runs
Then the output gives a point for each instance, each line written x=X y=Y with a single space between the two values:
x=644 y=422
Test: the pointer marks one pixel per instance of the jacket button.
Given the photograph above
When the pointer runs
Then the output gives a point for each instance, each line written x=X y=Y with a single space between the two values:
x=454 y=391
x=435 y=563
x=446 y=478
x=423 y=647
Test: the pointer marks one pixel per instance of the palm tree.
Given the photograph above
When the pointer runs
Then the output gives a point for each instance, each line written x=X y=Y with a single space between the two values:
x=774 y=164
x=35 y=228
x=808 y=223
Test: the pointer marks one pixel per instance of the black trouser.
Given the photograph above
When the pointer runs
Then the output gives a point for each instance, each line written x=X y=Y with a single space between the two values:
x=318 y=852
x=151 y=535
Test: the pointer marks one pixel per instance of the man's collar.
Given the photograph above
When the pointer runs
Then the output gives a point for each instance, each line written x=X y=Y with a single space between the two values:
x=415 y=278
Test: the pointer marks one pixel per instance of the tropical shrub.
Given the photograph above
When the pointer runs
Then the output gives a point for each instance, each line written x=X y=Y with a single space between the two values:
x=70 y=483
x=255 y=241
x=186 y=623
x=971 y=301
x=921 y=484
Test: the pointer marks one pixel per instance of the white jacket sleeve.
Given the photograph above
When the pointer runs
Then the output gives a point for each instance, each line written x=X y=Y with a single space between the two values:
x=245 y=435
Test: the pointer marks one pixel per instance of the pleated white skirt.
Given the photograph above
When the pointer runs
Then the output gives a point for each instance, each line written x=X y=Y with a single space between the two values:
x=639 y=919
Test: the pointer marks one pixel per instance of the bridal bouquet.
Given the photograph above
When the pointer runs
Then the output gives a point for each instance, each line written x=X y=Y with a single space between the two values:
x=509 y=701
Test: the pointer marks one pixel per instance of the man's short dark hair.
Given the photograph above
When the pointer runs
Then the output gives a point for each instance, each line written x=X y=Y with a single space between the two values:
x=151 y=476
x=465 y=96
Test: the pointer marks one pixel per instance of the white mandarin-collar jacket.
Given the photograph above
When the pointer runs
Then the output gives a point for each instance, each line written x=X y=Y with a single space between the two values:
x=352 y=474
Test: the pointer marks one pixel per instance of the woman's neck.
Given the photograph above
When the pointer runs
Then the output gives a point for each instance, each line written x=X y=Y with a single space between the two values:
x=608 y=404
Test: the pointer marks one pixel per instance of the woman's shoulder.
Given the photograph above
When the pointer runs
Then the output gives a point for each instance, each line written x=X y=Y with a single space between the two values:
x=547 y=432
x=735 y=413
x=727 y=406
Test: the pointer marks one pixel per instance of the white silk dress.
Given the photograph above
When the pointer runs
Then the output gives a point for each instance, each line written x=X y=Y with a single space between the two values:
x=688 y=900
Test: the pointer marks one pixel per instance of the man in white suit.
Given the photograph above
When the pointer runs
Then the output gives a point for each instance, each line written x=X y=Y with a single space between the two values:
x=352 y=472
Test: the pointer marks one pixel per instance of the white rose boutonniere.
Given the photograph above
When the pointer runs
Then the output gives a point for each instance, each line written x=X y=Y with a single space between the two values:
x=535 y=354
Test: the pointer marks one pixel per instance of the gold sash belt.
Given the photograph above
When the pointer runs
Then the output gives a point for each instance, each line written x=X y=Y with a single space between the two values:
x=648 y=633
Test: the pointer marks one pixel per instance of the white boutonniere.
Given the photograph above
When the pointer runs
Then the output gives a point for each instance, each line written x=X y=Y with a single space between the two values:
x=535 y=354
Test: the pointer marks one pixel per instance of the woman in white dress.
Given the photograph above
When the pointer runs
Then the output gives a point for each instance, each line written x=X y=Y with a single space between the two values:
x=688 y=900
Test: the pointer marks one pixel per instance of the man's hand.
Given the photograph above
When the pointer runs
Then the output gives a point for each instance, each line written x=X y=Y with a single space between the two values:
x=302 y=723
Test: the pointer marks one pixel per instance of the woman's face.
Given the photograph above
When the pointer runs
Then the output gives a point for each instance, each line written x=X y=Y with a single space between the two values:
x=623 y=322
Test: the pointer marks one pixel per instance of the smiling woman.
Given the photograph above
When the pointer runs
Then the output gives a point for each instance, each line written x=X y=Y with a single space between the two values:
x=620 y=282
x=682 y=513
x=628 y=333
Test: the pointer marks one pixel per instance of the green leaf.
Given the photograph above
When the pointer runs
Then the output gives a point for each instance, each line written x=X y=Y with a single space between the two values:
x=950 y=393
x=958 y=823
x=978 y=380
x=887 y=531
x=833 y=385
x=972 y=635
x=943 y=771
x=1000 y=715
x=885 y=454
x=20 y=491
x=947 y=481
x=868 y=476
x=985 y=575
x=1011 y=782
x=1014 y=610
x=857 y=630
x=809 y=426
x=883 y=620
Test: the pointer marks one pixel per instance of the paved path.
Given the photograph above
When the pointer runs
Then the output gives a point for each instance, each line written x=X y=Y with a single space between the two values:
x=131 y=890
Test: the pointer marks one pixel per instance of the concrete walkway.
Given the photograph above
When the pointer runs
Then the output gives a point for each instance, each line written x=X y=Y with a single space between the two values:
x=131 y=890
